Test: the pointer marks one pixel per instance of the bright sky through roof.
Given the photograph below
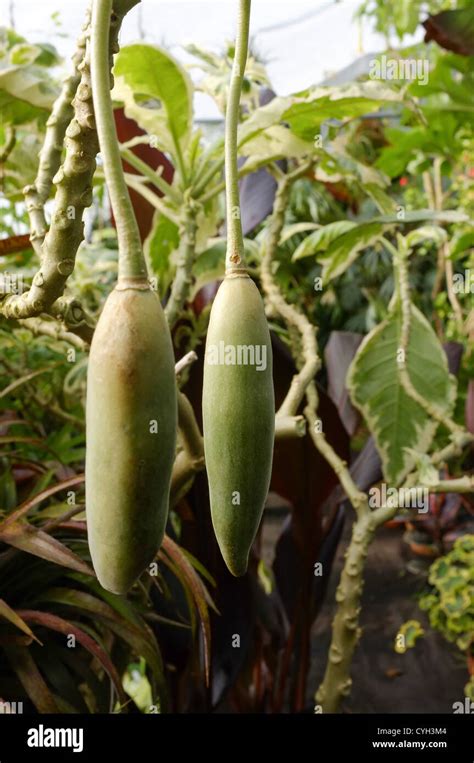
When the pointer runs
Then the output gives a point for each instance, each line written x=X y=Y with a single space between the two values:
x=301 y=42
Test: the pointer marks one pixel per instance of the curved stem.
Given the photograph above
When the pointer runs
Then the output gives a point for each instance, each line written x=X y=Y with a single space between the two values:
x=235 y=241
x=131 y=259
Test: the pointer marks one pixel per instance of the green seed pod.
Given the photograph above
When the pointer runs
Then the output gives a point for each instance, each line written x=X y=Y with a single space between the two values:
x=131 y=422
x=238 y=416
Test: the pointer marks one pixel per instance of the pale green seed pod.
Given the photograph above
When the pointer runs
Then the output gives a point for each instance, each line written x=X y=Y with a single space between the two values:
x=131 y=422
x=238 y=416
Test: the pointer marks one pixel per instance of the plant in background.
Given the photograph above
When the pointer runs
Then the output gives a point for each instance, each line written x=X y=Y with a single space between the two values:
x=398 y=380
x=449 y=603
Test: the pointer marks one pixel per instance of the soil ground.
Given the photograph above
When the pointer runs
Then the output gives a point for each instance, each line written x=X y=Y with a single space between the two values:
x=426 y=679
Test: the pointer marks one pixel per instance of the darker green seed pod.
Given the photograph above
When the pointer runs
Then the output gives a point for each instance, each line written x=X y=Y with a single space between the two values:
x=131 y=422
x=238 y=416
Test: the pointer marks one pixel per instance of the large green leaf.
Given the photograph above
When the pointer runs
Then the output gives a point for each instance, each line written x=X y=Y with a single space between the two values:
x=322 y=103
x=305 y=112
x=157 y=92
x=320 y=239
x=162 y=240
x=342 y=252
x=400 y=426
x=26 y=92
x=277 y=142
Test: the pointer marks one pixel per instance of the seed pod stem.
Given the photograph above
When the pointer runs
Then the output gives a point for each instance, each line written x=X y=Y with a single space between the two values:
x=235 y=241
x=131 y=260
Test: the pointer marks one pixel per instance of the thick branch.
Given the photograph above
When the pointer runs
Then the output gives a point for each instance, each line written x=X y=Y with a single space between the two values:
x=37 y=194
x=183 y=277
x=277 y=302
x=346 y=632
x=73 y=194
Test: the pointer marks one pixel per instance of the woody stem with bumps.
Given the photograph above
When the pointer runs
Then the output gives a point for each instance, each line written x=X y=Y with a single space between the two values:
x=73 y=194
x=187 y=251
x=38 y=192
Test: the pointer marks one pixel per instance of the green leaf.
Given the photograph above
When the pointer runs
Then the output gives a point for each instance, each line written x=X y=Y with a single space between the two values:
x=320 y=239
x=420 y=215
x=23 y=536
x=384 y=203
x=289 y=231
x=305 y=112
x=342 y=252
x=23 y=54
x=12 y=617
x=162 y=240
x=277 y=142
x=407 y=636
x=462 y=242
x=25 y=92
x=31 y=679
x=157 y=92
x=398 y=424
x=139 y=637
x=67 y=628
x=304 y=115
x=426 y=233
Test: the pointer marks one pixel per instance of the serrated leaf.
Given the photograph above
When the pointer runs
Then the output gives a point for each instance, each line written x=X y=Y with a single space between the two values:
x=399 y=425
x=322 y=238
